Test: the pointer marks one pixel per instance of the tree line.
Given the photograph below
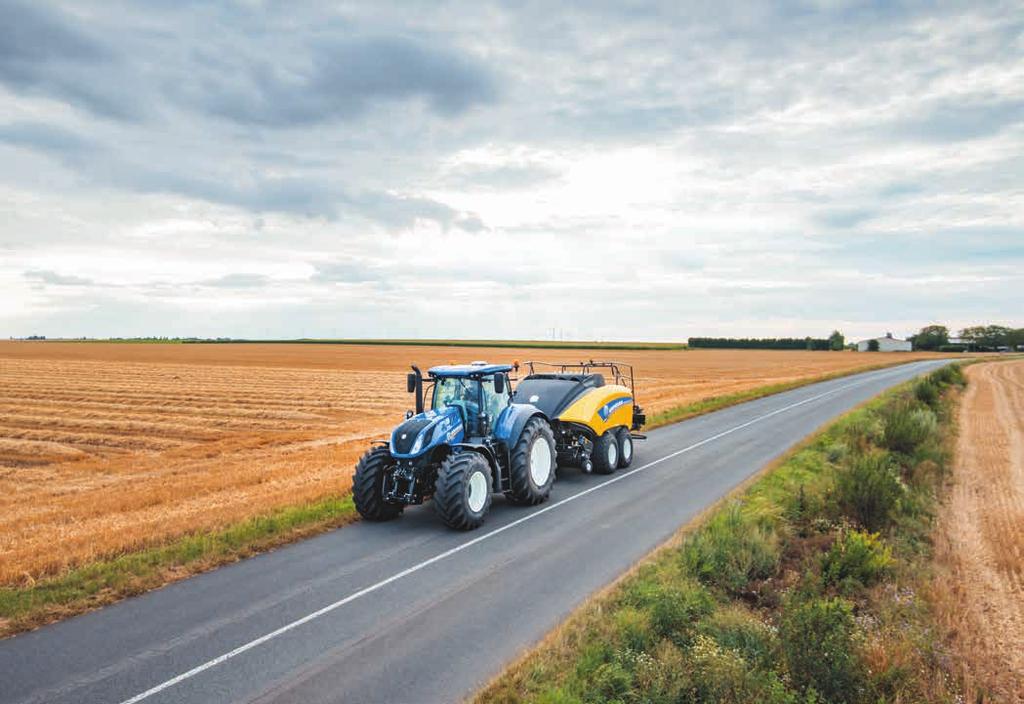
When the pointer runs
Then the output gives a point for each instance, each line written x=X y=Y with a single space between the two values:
x=835 y=341
x=976 y=338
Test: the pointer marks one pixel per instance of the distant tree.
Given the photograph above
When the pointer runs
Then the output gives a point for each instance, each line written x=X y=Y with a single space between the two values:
x=931 y=337
x=836 y=341
x=872 y=345
x=987 y=336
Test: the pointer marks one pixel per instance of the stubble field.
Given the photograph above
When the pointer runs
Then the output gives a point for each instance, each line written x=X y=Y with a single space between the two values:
x=981 y=536
x=106 y=448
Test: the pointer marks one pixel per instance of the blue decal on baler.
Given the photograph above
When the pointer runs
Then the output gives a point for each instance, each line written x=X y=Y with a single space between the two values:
x=607 y=409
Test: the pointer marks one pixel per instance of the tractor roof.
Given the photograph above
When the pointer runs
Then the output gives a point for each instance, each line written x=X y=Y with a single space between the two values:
x=474 y=369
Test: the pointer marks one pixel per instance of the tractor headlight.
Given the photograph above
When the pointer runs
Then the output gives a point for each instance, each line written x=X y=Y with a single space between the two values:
x=422 y=438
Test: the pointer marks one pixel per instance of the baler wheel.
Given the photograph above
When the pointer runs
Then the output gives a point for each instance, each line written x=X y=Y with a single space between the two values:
x=606 y=453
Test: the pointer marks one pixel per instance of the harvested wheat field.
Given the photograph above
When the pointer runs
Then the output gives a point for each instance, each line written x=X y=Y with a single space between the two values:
x=981 y=544
x=110 y=447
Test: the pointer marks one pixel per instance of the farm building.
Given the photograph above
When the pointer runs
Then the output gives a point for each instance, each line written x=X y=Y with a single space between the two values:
x=886 y=344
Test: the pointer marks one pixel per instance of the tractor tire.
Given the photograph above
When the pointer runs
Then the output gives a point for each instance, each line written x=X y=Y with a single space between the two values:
x=462 y=494
x=625 y=448
x=368 y=486
x=533 y=464
x=606 y=453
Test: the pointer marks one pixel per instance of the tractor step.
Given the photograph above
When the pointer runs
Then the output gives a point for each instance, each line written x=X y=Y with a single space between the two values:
x=638 y=436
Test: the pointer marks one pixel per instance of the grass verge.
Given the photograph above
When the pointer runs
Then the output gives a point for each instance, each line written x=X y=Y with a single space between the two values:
x=105 y=581
x=808 y=587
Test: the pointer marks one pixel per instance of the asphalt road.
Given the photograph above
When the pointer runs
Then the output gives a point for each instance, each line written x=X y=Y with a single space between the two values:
x=410 y=611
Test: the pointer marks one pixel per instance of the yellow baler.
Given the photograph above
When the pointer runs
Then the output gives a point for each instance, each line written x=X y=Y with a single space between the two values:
x=593 y=421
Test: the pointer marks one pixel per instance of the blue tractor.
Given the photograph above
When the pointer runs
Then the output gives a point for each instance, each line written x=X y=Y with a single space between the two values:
x=472 y=442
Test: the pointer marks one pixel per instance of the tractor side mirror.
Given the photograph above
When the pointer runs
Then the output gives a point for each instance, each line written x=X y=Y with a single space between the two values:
x=410 y=382
x=499 y=384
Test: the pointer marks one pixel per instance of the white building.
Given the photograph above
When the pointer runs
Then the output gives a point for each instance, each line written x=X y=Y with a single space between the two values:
x=886 y=344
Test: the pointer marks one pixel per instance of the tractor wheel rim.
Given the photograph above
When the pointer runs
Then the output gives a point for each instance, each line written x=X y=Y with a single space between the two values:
x=627 y=448
x=477 y=492
x=540 y=462
x=613 y=454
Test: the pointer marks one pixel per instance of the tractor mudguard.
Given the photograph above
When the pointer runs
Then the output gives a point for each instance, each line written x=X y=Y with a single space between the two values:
x=512 y=421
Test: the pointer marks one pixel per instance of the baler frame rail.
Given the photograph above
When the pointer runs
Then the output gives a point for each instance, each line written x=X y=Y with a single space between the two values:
x=620 y=376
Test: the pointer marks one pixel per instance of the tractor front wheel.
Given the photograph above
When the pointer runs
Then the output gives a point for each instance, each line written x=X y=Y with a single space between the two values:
x=606 y=453
x=368 y=486
x=462 y=494
x=533 y=464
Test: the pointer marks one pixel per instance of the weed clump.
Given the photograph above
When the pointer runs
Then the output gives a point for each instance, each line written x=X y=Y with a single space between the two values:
x=731 y=550
x=927 y=392
x=855 y=559
x=868 y=491
x=821 y=645
x=907 y=426
x=673 y=609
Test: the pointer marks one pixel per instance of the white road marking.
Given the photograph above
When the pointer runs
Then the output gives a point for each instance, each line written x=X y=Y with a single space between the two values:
x=459 y=548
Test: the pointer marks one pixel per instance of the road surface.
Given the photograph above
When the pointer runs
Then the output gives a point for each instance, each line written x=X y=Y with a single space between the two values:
x=410 y=611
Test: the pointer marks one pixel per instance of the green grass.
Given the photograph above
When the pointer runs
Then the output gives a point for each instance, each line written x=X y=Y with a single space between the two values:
x=107 y=580
x=780 y=595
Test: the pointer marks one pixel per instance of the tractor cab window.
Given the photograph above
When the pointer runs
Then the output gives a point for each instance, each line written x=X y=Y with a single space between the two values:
x=494 y=403
x=459 y=392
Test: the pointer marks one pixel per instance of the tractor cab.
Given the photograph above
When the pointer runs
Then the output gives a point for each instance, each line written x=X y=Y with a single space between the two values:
x=479 y=392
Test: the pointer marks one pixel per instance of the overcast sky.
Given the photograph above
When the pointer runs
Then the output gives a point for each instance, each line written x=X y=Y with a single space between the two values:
x=627 y=171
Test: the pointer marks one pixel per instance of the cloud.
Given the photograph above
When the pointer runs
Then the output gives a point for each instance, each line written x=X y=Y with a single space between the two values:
x=45 y=138
x=232 y=281
x=476 y=169
x=43 y=51
x=958 y=121
x=54 y=279
x=341 y=79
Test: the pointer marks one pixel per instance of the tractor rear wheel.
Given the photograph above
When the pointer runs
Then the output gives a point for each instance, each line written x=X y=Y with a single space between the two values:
x=368 y=486
x=533 y=464
x=462 y=494
x=606 y=453
x=625 y=448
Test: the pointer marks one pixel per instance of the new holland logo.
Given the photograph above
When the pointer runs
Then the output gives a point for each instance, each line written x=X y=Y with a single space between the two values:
x=607 y=409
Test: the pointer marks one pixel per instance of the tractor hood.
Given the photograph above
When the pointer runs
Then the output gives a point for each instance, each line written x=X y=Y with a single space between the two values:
x=425 y=431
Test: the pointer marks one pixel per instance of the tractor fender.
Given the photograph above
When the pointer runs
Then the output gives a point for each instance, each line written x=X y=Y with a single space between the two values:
x=512 y=421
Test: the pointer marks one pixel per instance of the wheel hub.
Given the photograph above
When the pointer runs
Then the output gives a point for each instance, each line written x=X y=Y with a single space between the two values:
x=478 y=490
x=540 y=462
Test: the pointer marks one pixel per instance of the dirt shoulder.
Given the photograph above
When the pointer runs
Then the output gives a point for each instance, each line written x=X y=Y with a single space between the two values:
x=981 y=536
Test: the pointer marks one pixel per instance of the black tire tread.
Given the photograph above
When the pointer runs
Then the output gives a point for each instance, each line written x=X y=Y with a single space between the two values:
x=623 y=434
x=368 y=486
x=599 y=455
x=449 y=491
x=523 y=491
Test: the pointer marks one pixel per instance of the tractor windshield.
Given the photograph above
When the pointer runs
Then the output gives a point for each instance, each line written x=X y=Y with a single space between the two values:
x=458 y=392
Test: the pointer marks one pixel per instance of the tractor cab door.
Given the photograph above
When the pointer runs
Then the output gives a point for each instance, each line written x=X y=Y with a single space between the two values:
x=493 y=402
